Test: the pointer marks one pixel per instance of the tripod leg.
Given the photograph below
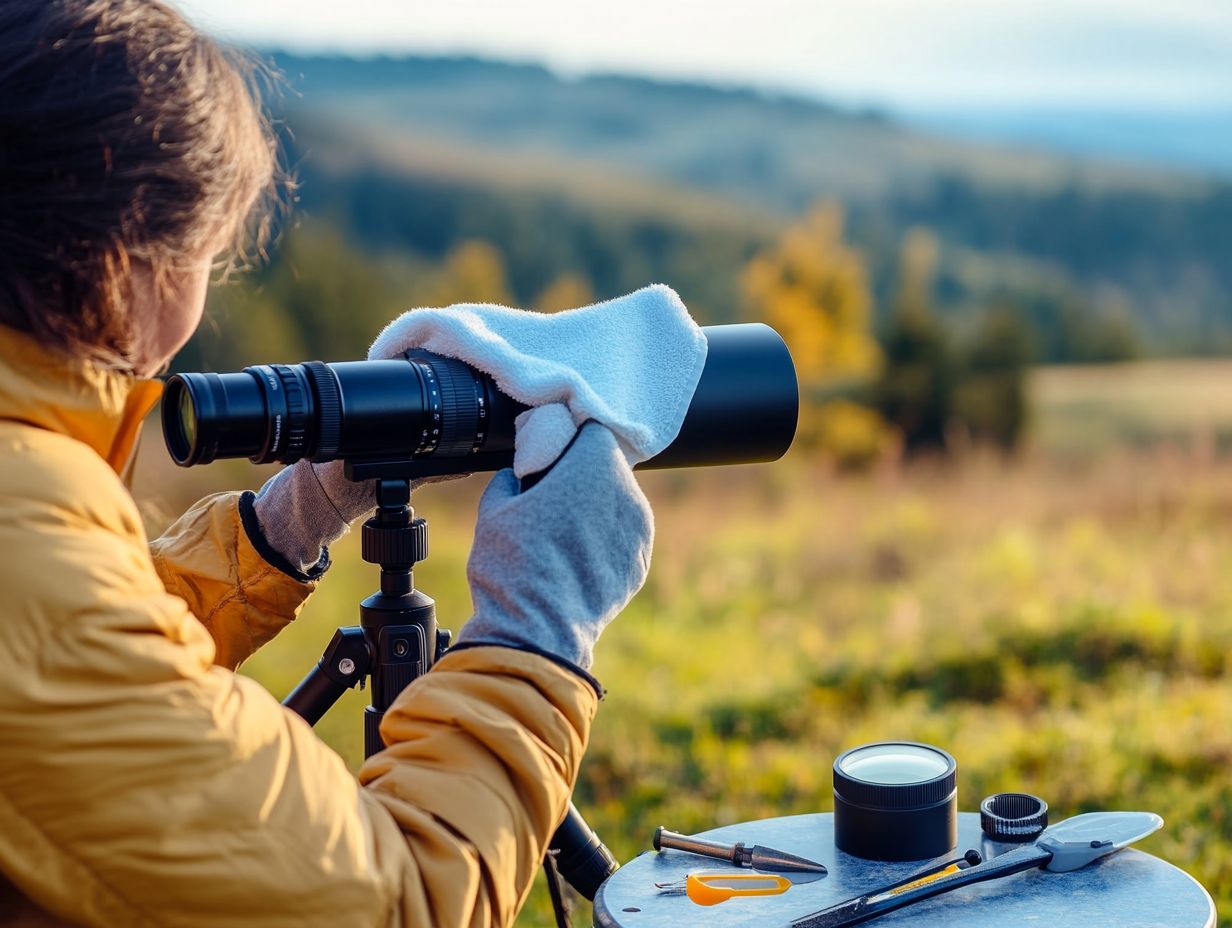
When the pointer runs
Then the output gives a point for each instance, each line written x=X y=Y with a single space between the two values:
x=556 y=891
x=344 y=663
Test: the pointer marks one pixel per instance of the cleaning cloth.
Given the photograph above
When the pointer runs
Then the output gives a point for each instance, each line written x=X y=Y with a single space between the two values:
x=552 y=566
x=631 y=363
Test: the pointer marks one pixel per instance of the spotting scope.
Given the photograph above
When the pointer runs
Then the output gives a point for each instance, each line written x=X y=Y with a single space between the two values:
x=444 y=417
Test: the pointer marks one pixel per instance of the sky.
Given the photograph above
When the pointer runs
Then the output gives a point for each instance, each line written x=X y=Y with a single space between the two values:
x=1120 y=55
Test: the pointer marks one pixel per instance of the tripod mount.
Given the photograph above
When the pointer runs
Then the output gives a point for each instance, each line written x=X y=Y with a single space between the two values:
x=398 y=639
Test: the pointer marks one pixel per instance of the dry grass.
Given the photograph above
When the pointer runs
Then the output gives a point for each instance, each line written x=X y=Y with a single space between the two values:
x=1082 y=411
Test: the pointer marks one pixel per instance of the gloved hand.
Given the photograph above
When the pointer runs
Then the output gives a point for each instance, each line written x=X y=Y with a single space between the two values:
x=551 y=566
x=306 y=507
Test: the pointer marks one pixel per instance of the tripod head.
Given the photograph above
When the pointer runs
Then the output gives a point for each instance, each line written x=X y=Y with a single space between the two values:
x=398 y=621
x=397 y=638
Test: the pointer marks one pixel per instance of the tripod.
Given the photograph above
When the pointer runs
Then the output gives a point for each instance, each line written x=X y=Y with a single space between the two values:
x=398 y=640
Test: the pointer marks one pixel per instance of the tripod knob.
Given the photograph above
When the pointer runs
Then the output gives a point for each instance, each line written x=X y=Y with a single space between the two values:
x=394 y=546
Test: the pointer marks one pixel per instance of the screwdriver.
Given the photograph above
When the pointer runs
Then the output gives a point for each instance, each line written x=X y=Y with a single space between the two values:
x=755 y=857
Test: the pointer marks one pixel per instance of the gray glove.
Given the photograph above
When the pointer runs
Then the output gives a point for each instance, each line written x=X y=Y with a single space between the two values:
x=551 y=566
x=305 y=508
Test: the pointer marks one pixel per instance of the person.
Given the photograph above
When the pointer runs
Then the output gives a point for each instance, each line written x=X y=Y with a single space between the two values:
x=142 y=781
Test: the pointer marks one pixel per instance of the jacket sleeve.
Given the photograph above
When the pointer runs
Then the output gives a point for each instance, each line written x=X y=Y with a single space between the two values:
x=207 y=559
x=142 y=784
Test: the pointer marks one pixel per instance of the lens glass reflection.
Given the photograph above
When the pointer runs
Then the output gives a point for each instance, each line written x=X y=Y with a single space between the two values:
x=187 y=420
x=894 y=764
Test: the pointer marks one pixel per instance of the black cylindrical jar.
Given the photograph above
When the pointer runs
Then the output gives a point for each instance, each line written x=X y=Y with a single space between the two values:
x=895 y=800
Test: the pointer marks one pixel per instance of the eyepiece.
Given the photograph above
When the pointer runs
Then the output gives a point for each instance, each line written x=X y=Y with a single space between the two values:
x=210 y=416
x=180 y=422
x=1014 y=818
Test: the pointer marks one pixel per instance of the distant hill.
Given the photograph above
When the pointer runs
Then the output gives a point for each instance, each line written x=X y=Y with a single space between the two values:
x=1191 y=139
x=1108 y=234
x=775 y=151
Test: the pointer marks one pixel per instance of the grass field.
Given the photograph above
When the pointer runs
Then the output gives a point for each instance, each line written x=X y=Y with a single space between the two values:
x=1061 y=624
x=1083 y=412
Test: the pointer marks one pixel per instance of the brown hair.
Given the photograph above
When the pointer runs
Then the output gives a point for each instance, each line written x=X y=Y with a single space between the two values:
x=126 y=136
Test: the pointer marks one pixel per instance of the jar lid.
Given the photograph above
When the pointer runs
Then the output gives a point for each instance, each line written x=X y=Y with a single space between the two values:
x=895 y=775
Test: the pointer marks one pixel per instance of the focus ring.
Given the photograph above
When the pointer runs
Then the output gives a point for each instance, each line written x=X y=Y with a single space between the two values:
x=329 y=410
x=906 y=796
x=459 y=409
x=299 y=409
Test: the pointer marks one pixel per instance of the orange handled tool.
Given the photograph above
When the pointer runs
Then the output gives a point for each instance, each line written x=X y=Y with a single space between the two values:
x=712 y=888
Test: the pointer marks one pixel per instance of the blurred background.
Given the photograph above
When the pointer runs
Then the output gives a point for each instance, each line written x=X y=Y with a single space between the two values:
x=997 y=237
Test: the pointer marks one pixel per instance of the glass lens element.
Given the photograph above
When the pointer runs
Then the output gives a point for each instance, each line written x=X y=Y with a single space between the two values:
x=187 y=420
x=893 y=764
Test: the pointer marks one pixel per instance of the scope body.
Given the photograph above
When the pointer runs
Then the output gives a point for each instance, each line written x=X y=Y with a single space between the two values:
x=442 y=416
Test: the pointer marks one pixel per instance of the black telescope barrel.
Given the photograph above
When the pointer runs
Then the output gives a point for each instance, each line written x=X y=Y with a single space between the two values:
x=439 y=416
x=373 y=421
x=581 y=857
x=746 y=405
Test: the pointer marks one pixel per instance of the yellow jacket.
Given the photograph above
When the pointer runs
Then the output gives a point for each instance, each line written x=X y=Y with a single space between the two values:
x=142 y=782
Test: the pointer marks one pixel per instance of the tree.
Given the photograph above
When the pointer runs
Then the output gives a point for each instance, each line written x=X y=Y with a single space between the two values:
x=568 y=291
x=813 y=288
x=991 y=399
x=473 y=272
x=915 y=391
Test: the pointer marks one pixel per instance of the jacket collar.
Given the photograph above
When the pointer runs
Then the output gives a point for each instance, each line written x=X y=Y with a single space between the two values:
x=49 y=390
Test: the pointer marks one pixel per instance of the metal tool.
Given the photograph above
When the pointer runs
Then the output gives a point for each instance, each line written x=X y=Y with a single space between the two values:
x=1069 y=845
x=754 y=858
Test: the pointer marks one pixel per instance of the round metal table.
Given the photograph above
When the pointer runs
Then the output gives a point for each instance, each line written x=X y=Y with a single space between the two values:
x=1128 y=889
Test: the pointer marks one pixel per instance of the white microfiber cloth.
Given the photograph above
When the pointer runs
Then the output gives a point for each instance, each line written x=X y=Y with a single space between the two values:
x=631 y=363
